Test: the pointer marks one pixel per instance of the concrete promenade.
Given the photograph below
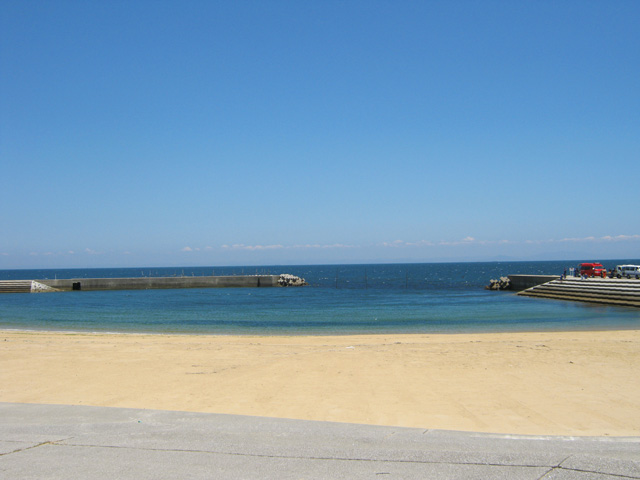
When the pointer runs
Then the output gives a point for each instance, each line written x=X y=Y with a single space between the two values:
x=77 y=442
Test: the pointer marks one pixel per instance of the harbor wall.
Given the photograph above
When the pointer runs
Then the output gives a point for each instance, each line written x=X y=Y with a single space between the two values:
x=522 y=282
x=608 y=291
x=144 y=283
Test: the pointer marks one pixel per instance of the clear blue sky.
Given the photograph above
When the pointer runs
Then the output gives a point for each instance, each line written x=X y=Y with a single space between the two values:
x=161 y=133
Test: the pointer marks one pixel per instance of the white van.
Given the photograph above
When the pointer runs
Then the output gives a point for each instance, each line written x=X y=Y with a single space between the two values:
x=627 y=271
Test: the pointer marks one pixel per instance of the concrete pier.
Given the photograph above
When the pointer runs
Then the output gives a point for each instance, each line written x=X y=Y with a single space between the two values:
x=607 y=291
x=144 y=283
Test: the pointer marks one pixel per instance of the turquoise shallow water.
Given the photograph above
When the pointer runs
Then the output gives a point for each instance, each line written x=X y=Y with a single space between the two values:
x=341 y=299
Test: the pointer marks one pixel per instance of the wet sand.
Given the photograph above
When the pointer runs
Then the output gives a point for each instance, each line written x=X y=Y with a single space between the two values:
x=551 y=383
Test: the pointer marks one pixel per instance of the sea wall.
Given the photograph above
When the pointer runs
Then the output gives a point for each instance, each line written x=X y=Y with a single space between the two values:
x=607 y=291
x=144 y=283
x=522 y=282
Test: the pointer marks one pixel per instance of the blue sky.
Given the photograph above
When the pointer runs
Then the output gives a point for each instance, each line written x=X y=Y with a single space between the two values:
x=162 y=133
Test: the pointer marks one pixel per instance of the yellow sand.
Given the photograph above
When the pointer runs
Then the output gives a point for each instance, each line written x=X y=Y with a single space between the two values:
x=568 y=383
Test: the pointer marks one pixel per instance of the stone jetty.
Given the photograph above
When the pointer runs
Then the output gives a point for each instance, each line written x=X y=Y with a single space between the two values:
x=145 y=283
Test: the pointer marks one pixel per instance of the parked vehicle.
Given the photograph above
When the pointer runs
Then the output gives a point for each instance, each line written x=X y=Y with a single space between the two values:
x=626 y=271
x=592 y=270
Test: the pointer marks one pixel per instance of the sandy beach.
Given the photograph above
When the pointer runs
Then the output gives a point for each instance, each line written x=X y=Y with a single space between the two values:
x=558 y=383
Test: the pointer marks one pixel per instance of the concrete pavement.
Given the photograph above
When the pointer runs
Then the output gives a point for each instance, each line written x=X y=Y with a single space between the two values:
x=77 y=442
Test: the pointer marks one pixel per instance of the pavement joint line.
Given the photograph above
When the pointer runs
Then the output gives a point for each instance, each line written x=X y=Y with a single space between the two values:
x=597 y=472
x=49 y=442
x=557 y=468
x=292 y=457
x=552 y=469
x=564 y=460
x=560 y=467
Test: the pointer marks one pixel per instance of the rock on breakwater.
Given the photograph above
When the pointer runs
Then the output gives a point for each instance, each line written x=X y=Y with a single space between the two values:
x=502 y=284
x=37 y=287
x=288 y=280
x=145 y=283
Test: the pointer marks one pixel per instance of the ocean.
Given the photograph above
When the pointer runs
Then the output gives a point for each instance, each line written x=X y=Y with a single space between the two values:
x=340 y=299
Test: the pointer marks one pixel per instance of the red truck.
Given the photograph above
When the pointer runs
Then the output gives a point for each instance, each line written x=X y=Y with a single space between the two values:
x=592 y=270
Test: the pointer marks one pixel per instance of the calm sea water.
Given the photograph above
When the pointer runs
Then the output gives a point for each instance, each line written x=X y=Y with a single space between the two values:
x=341 y=299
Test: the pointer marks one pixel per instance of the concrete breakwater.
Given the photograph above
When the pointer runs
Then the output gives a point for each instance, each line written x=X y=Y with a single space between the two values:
x=608 y=291
x=144 y=283
x=522 y=282
x=519 y=282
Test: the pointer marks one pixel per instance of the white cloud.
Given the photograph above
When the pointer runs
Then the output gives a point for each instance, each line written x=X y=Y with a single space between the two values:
x=402 y=243
x=464 y=241
x=187 y=249
x=241 y=246
x=467 y=241
x=585 y=239
x=264 y=247
x=606 y=238
x=333 y=245
x=622 y=238
x=395 y=243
